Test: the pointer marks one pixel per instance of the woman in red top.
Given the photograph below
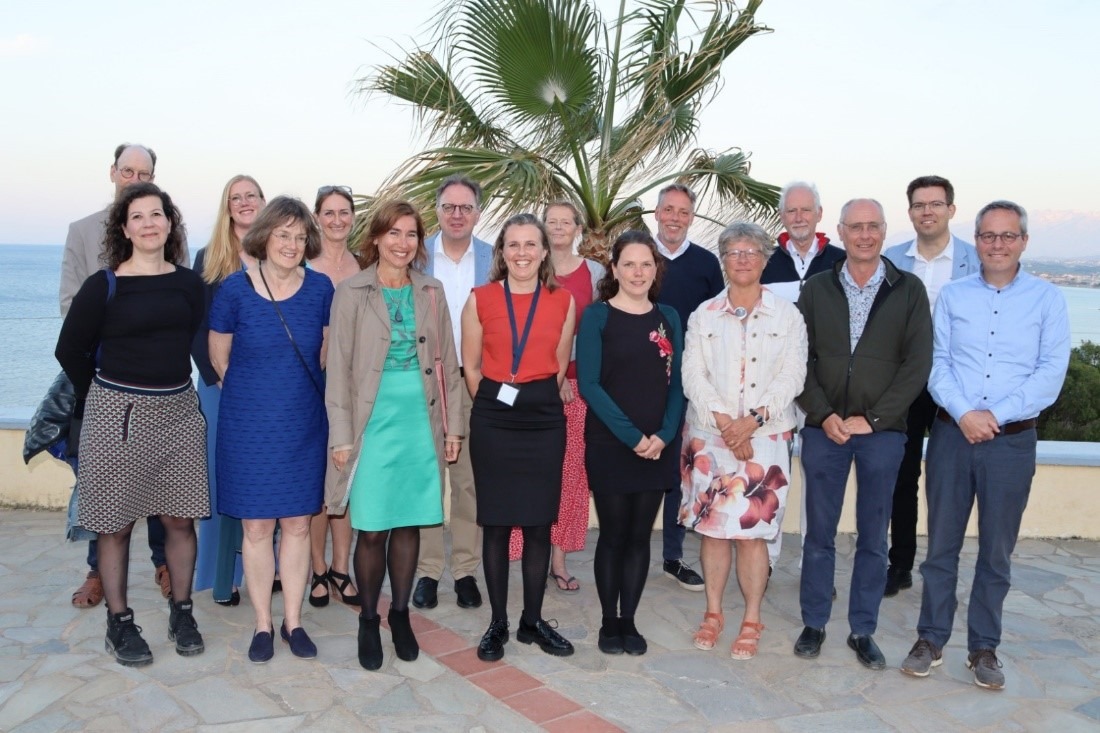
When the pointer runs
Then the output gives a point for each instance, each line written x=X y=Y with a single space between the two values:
x=517 y=333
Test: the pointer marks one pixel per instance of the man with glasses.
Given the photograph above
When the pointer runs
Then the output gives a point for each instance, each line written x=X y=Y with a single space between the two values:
x=870 y=350
x=801 y=253
x=460 y=261
x=692 y=275
x=83 y=249
x=936 y=257
x=1002 y=343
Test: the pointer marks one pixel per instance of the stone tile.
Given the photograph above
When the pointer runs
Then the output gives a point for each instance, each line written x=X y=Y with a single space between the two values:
x=504 y=681
x=541 y=705
x=32 y=698
x=285 y=724
x=46 y=723
x=834 y=721
x=581 y=722
x=441 y=641
x=465 y=661
x=1090 y=709
x=220 y=700
x=13 y=669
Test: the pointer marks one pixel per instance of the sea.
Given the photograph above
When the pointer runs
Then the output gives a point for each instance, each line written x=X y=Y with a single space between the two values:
x=30 y=320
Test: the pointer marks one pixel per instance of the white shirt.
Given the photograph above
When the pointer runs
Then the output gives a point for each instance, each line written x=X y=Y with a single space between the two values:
x=669 y=254
x=458 y=281
x=934 y=273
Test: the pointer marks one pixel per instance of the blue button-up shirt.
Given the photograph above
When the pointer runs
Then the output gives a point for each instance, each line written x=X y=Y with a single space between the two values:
x=1005 y=350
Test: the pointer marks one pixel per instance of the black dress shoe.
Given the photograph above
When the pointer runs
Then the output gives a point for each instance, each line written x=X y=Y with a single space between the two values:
x=867 y=651
x=468 y=594
x=897 y=580
x=491 y=647
x=809 y=643
x=541 y=633
x=425 y=594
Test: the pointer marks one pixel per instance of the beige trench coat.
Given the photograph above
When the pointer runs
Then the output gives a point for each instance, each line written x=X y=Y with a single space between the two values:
x=358 y=341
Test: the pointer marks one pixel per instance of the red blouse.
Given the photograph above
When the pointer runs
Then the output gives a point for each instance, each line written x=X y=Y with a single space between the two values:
x=540 y=357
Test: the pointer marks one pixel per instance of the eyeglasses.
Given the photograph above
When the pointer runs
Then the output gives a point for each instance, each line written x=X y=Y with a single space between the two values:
x=464 y=209
x=128 y=173
x=991 y=237
x=326 y=190
x=237 y=199
x=285 y=238
x=742 y=254
x=933 y=205
x=873 y=227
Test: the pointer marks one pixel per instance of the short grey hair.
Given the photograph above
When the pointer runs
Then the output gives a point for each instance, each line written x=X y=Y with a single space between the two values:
x=746 y=231
x=682 y=188
x=798 y=186
x=850 y=202
x=1001 y=205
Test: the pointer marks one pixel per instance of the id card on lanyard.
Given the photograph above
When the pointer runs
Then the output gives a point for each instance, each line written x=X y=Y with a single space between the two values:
x=509 y=391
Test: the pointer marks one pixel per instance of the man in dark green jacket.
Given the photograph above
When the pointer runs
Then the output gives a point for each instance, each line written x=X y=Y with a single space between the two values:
x=870 y=337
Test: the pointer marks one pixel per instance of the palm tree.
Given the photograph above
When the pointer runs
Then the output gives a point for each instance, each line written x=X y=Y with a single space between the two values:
x=541 y=100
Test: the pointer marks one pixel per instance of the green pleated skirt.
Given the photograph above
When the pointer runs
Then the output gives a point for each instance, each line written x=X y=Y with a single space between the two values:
x=396 y=478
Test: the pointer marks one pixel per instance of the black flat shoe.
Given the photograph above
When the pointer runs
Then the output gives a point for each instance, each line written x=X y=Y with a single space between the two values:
x=491 y=647
x=318 y=580
x=234 y=600
x=541 y=633
x=340 y=582
x=634 y=643
x=611 y=637
x=867 y=651
x=468 y=594
x=425 y=595
x=809 y=643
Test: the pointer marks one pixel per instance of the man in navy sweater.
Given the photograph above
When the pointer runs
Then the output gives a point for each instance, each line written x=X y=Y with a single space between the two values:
x=692 y=275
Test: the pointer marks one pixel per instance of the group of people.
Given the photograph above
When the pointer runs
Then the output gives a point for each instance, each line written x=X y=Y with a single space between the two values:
x=343 y=388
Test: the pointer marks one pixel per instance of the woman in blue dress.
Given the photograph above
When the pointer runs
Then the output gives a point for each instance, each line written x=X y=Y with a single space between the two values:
x=395 y=411
x=268 y=327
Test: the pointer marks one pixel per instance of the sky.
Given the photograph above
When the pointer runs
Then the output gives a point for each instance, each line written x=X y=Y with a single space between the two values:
x=859 y=96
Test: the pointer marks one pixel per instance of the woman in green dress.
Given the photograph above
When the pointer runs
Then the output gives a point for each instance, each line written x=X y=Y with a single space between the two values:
x=394 y=414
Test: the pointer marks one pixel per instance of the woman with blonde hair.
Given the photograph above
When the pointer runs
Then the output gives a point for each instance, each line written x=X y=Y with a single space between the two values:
x=218 y=565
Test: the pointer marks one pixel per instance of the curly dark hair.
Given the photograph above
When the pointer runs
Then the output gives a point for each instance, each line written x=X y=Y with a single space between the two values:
x=608 y=287
x=498 y=270
x=117 y=248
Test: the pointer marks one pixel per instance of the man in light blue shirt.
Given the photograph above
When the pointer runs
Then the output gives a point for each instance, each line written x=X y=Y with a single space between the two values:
x=1000 y=354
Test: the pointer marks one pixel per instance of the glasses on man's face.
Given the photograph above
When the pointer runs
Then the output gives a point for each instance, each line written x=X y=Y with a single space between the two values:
x=326 y=190
x=933 y=205
x=464 y=209
x=287 y=238
x=991 y=237
x=128 y=173
x=742 y=254
x=239 y=199
x=873 y=227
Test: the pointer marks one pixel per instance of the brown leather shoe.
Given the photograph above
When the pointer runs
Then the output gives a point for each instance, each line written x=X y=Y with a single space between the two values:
x=164 y=580
x=90 y=593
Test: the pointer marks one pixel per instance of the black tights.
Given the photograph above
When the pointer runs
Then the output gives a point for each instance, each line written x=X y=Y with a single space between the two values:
x=397 y=549
x=114 y=560
x=622 y=550
x=535 y=566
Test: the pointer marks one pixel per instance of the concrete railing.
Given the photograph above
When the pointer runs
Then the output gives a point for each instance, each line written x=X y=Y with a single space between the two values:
x=1064 y=498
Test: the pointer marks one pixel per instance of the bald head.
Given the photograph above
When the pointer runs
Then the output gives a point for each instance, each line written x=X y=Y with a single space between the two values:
x=133 y=164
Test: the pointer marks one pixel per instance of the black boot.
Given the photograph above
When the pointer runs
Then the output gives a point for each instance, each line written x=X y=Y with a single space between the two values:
x=183 y=630
x=404 y=643
x=370 y=643
x=124 y=640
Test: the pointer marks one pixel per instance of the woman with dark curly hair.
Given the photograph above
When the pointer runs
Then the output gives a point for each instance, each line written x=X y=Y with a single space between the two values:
x=125 y=344
x=268 y=327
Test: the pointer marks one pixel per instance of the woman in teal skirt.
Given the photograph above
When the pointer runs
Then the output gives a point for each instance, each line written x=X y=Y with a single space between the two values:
x=395 y=416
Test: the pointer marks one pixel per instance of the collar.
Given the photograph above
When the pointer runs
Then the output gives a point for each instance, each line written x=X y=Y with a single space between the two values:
x=1020 y=275
x=368 y=279
x=947 y=253
x=721 y=301
x=437 y=247
x=669 y=254
x=880 y=274
x=821 y=241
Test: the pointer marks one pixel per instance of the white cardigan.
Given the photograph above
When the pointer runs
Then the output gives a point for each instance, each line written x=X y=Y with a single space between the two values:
x=775 y=366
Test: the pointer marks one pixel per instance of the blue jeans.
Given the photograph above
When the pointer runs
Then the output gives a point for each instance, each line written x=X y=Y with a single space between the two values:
x=998 y=474
x=827 y=465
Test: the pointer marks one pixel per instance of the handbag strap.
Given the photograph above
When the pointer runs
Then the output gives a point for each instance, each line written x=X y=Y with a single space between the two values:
x=289 y=335
x=439 y=362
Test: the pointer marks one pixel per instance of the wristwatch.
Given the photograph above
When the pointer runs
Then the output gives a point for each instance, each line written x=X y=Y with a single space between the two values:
x=758 y=417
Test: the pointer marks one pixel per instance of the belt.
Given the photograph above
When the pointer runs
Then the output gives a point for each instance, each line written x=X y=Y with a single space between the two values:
x=1009 y=428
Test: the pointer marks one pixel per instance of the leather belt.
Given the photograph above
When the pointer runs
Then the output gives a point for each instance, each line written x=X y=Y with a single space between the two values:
x=1009 y=428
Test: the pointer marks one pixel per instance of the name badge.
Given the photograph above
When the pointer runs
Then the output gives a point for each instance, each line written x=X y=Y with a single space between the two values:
x=508 y=394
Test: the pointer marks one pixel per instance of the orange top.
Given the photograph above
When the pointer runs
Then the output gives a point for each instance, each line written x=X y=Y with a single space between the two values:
x=540 y=357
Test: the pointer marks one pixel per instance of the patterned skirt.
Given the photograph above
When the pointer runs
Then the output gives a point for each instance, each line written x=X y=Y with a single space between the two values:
x=730 y=499
x=142 y=452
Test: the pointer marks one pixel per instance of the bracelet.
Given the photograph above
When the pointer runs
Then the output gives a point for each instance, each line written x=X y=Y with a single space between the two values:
x=452 y=439
x=758 y=417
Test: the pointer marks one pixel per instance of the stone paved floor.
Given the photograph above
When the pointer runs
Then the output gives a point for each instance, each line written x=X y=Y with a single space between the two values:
x=54 y=674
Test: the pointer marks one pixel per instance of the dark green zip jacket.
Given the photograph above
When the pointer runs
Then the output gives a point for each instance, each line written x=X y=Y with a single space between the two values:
x=891 y=361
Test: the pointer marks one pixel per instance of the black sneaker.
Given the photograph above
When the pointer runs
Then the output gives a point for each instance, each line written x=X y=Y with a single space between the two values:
x=183 y=630
x=682 y=574
x=124 y=640
x=897 y=580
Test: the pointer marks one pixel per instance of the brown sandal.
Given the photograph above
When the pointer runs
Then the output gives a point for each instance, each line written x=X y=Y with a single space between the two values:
x=90 y=593
x=744 y=647
x=707 y=635
x=164 y=580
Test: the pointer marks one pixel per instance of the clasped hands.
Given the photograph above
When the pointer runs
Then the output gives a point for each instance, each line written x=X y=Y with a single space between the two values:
x=649 y=447
x=978 y=426
x=839 y=430
x=737 y=433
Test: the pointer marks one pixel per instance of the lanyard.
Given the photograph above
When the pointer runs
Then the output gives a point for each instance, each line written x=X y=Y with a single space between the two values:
x=519 y=343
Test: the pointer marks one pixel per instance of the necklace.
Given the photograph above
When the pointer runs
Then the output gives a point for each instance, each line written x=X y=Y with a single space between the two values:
x=393 y=304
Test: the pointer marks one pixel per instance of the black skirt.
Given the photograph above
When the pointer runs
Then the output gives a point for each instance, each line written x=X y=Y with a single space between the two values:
x=517 y=454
